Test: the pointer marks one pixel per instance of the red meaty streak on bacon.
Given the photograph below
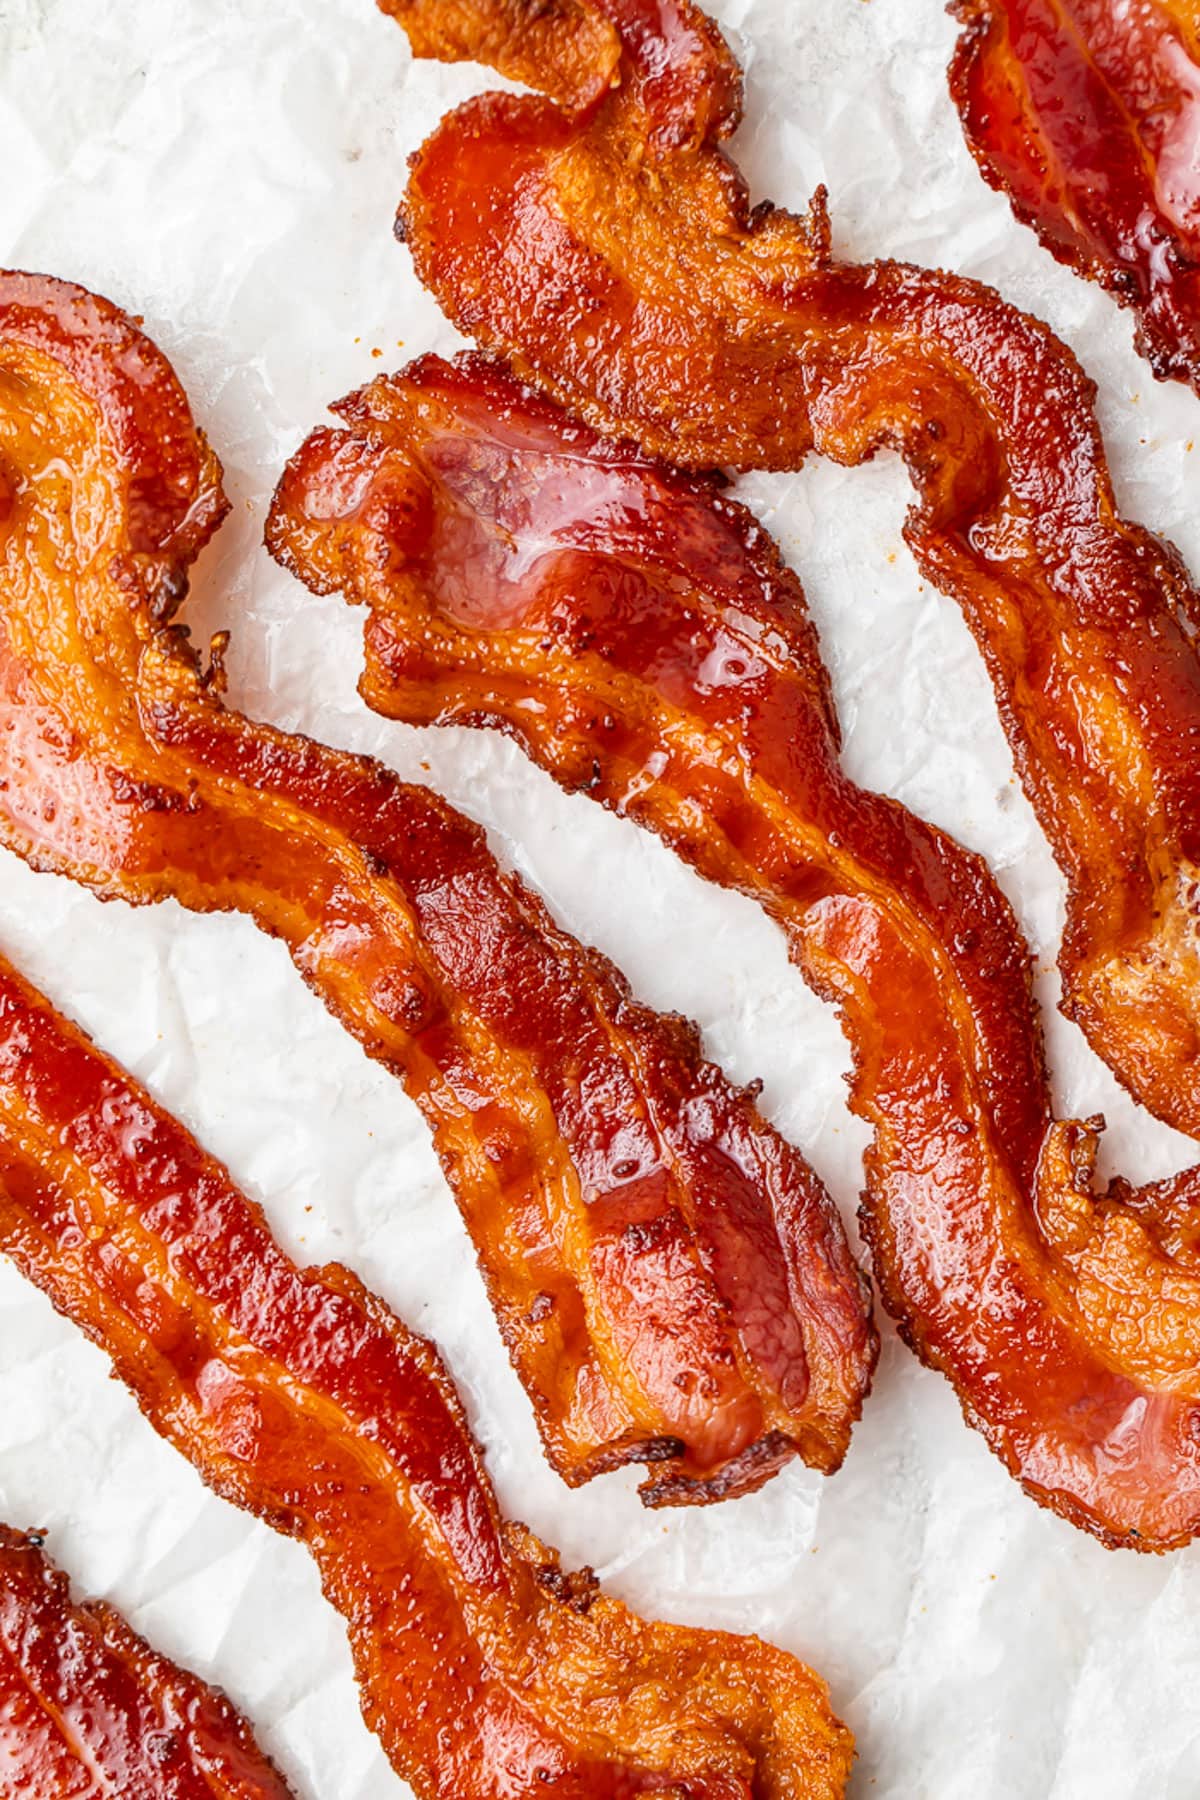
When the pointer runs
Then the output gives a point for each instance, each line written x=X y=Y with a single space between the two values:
x=672 y=1281
x=487 y=1671
x=89 y=1712
x=638 y=635
x=1086 y=113
x=613 y=257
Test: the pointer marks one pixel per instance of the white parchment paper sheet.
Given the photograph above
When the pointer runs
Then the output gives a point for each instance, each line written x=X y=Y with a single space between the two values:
x=231 y=171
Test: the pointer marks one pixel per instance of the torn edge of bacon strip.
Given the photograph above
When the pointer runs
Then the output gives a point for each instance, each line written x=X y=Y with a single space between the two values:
x=89 y=1710
x=672 y=1280
x=485 y=1668
x=1087 y=116
x=641 y=290
x=638 y=634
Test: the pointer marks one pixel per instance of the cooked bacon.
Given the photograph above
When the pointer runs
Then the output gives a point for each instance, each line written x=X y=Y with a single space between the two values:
x=672 y=1280
x=567 y=48
x=630 y=279
x=88 y=1710
x=486 y=1669
x=1086 y=113
x=637 y=633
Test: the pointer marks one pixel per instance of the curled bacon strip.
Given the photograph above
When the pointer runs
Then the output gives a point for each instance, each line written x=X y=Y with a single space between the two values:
x=637 y=633
x=486 y=1669
x=673 y=1283
x=89 y=1711
x=637 y=286
x=1086 y=113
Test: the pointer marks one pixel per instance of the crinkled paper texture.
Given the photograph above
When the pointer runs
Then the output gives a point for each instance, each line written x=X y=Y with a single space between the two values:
x=230 y=171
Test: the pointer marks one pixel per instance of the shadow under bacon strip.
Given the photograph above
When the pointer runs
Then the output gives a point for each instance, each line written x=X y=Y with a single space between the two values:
x=487 y=1671
x=638 y=635
x=1086 y=113
x=89 y=1711
x=613 y=257
x=671 y=1279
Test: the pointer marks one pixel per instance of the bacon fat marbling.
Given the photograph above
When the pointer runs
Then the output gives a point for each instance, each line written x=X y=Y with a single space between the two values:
x=88 y=1711
x=1086 y=113
x=671 y=1279
x=637 y=633
x=613 y=257
x=485 y=1668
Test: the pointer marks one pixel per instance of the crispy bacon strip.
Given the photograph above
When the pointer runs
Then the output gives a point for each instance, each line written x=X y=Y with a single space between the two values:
x=486 y=1669
x=89 y=1711
x=613 y=257
x=565 y=47
x=637 y=633
x=1086 y=113
x=671 y=1279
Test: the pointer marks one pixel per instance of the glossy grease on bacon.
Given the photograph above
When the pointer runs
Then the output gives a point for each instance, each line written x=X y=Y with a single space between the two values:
x=638 y=634
x=485 y=1668
x=613 y=256
x=89 y=1711
x=672 y=1281
x=1086 y=113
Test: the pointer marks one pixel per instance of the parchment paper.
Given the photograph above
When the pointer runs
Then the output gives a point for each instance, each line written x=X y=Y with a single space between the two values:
x=231 y=171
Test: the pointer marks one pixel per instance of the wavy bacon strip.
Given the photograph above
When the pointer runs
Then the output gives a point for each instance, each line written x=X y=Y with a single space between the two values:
x=673 y=1283
x=486 y=1669
x=88 y=1710
x=1086 y=113
x=613 y=256
x=637 y=633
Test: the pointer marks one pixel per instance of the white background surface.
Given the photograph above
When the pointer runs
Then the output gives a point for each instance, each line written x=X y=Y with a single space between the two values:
x=231 y=171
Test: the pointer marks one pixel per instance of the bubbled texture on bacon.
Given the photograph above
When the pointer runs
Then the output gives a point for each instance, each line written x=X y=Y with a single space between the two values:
x=88 y=1710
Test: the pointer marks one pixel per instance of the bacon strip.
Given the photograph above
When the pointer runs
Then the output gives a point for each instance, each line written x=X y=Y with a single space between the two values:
x=486 y=1670
x=1086 y=113
x=671 y=1279
x=614 y=258
x=88 y=1710
x=637 y=633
